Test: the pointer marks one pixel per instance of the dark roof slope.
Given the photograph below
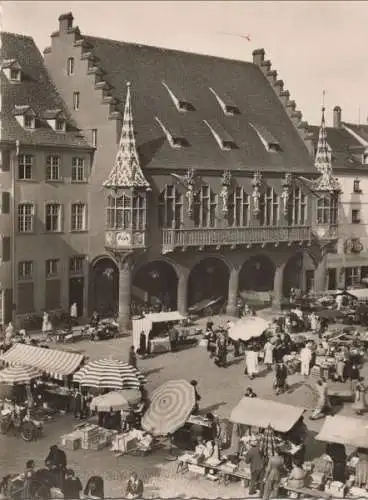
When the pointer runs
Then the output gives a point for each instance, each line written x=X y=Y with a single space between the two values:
x=35 y=90
x=346 y=149
x=147 y=67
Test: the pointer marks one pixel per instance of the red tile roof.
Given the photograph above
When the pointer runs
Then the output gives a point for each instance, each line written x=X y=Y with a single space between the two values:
x=36 y=92
x=147 y=67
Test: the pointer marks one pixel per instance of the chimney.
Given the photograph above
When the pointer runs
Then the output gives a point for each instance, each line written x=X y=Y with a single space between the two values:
x=258 y=56
x=278 y=86
x=65 y=22
x=337 y=117
x=285 y=97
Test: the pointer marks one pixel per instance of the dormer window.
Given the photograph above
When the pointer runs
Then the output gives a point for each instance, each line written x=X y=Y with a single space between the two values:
x=271 y=144
x=15 y=75
x=29 y=121
x=182 y=104
x=25 y=116
x=56 y=119
x=60 y=125
x=223 y=139
x=12 y=70
x=174 y=136
x=227 y=105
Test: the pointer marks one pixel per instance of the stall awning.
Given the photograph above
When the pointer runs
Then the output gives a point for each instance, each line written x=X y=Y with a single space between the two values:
x=263 y=413
x=56 y=363
x=164 y=317
x=359 y=293
x=344 y=430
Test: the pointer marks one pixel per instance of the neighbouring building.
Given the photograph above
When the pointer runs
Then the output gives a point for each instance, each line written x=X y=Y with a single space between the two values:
x=203 y=184
x=348 y=148
x=45 y=165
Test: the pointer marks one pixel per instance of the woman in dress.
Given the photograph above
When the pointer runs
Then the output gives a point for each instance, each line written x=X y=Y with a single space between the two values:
x=281 y=374
x=272 y=477
x=323 y=404
x=268 y=354
x=361 y=471
x=360 y=402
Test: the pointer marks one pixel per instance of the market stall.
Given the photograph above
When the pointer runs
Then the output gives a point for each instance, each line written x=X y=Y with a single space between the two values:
x=152 y=327
x=248 y=328
x=344 y=430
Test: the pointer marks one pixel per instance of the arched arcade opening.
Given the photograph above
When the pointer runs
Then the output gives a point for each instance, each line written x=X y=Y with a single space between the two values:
x=298 y=273
x=209 y=279
x=155 y=284
x=257 y=275
x=105 y=284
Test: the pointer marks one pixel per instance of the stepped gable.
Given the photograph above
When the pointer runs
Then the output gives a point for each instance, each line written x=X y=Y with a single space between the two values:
x=186 y=92
x=35 y=90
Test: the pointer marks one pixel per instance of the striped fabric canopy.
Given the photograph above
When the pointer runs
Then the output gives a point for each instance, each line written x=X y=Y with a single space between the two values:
x=109 y=374
x=58 y=364
x=116 y=400
x=19 y=374
x=171 y=406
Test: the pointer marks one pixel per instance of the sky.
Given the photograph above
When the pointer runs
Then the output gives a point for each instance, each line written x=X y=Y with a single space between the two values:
x=313 y=45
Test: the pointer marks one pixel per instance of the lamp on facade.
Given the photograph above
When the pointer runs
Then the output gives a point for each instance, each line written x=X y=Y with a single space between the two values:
x=285 y=196
x=224 y=193
x=256 y=194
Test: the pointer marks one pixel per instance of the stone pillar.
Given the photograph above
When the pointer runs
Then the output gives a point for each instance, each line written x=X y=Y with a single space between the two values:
x=182 y=294
x=320 y=276
x=233 y=293
x=278 y=284
x=125 y=292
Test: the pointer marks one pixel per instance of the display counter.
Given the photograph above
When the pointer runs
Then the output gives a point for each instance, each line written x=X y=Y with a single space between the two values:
x=160 y=345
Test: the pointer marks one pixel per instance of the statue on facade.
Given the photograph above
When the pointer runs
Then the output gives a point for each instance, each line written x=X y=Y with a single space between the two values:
x=256 y=194
x=285 y=196
x=224 y=193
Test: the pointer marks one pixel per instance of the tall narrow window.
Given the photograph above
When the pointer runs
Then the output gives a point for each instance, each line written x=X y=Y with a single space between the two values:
x=70 y=66
x=238 y=208
x=94 y=137
x=76 y=264
x=76 y=101
x=25 y=163
x=53 y=218
x=78 y=217
x=53 y=168
x=25 y=218
x=327 y=210
x=119 y=212
x=170 y=208
x=298 y=213
x=205 y=204
x=52 y=268
x=78 y=171
x=139 y=212
x=269 y=208
x=25 y=270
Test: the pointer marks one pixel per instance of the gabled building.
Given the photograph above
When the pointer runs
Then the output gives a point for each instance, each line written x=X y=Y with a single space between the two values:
x=45 y=165
x=212 y=190
x=348 y=149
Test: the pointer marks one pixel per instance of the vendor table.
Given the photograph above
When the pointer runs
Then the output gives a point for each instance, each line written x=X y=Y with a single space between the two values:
x=160 y=345
x=223 y=470
x=58 y=398
x=308 y=492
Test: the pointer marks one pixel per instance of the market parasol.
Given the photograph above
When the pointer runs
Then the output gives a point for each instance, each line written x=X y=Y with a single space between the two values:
x=248 y=328
x=268 y=442
x=171 y=406
x=116 y=400
x=109 y=374
x=19 y=374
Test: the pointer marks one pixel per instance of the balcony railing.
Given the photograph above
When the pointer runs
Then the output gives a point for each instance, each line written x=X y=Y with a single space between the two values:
x=172 y=238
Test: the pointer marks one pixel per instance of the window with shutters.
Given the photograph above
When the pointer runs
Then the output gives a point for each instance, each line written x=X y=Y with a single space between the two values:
x=53 y=168
x=238 y=215
x=170 y=208
x=5 y=202
x=205 y=205
x=25 y=218
x=269 y=208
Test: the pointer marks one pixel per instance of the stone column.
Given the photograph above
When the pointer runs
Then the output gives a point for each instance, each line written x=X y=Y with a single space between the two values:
x=233 y=292
x=320 y=276
x=125 y=291
x=182 y=294
x=278 y=284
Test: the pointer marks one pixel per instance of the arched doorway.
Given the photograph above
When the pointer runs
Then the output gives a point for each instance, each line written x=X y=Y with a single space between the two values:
x=156 y=284
x=106 y=286
x=299 y=273
x=209 y=279
x=257 y=275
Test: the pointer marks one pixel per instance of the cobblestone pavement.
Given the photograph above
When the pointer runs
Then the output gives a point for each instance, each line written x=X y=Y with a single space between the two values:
x=220 y=388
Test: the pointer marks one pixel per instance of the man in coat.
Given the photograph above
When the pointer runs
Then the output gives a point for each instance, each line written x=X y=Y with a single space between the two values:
x=255 y=459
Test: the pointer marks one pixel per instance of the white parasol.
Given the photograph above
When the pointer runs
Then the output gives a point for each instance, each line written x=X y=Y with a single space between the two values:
x=248 y=328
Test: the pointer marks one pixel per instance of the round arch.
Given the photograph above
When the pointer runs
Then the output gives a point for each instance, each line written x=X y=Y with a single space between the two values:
x=257 y=274
x=105 y=283
x=299 y=272
x=155 y=283
x=208 y=279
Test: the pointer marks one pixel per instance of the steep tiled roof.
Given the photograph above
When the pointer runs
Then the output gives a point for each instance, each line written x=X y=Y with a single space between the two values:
x=148 y=67
x=35 y=91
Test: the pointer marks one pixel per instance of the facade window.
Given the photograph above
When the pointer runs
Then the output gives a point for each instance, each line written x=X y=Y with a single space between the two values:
x=356 y=186
x=15 y=75
x=238 y=208
x=25 y=163
x=298 y=207
x=70 y=66
x=269 y=208
x=78 y=217
x=355 y=216
x=25 y=270
x=29 y=122
x=170 y=208
x=327 y=210
x=126 y=212
x=59 y=124
x=76 y=264
x=205 y=205
x=53 y=218
x=76 y=101
x=78 y=171
x=352 y=276
x=94 y=137
x=52 y=268
x=25 y=218
x=53 y=168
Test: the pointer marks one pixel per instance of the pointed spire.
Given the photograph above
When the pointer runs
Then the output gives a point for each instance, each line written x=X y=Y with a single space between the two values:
x=127 y=172
x=323 y=161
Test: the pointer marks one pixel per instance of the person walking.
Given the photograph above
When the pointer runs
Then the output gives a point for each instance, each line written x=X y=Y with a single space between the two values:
x=323 y=404
x=251 y=361
x=360 y=403
x=194 y=383
x=72 y=486
x=268 y=354
x=57 y=458
x=255 y=459
x=132 y=358
x=281 y=374
x=27 y=493
x=134 y=488
x=305 y=357
x=272 y=477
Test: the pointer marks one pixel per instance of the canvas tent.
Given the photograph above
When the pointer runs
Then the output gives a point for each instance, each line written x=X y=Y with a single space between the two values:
x=145 y=323
x=344 y=430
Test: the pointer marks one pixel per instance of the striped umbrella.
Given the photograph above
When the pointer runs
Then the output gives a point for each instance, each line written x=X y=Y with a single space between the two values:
x=109 y=374
x=171 y=405
x=116 y=400
x=268 y=442
x=18 y=374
